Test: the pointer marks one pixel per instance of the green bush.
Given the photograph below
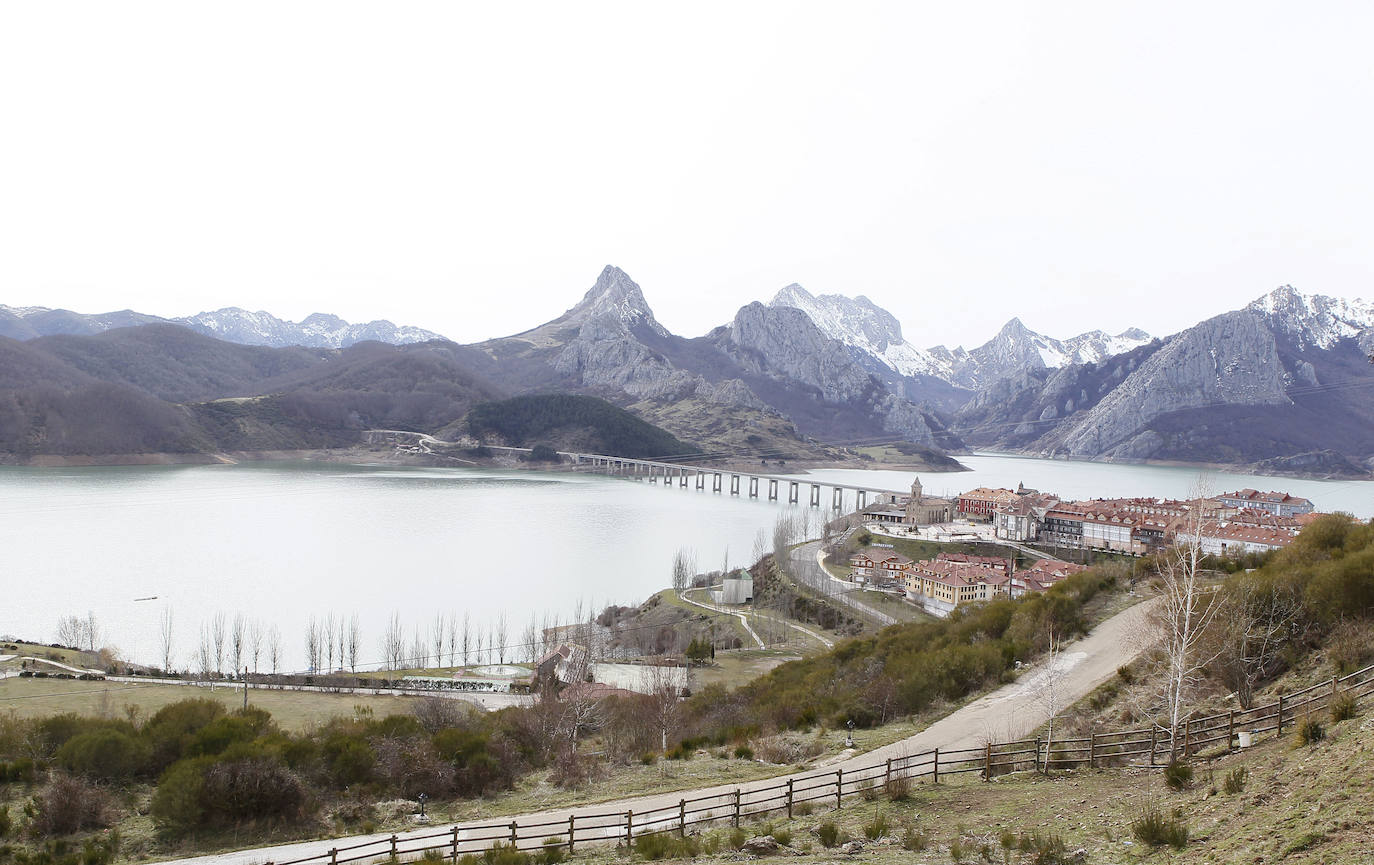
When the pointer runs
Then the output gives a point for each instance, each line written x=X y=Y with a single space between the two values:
x=782 y=836
x=1156 y=829
x=1343 y=707
x=1178 y=775
x=92 y=851
x=829 y=834
x=177 y=800
x=736 y=839
x=1235 y=780
x=18 y=771
x=108 y=754
x=744 y=752
x=173 y=727
x=898 y=788
x=876 y=828
x=915 y=839
x=1047 y=849
x=1310 y=731
x=6 y=822
x=664 y=845
x=957 y=850
x=555 y=851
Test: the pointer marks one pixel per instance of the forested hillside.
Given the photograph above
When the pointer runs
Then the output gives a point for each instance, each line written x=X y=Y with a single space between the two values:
x=572 y=422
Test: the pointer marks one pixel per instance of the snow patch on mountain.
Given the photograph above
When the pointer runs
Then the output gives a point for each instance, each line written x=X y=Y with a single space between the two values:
x=1314 y=319
x=319 y=330
x=860 y=323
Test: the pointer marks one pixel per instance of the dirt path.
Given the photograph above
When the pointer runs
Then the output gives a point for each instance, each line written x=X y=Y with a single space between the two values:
x=1008 y=713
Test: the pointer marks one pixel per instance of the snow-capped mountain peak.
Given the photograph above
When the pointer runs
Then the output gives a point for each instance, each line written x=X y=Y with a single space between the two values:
x=861 y=324
x=1314 y=319
x=319 y=330
x=615 y=296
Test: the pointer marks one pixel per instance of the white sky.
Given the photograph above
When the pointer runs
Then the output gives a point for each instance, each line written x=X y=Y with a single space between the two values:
x=470 y=167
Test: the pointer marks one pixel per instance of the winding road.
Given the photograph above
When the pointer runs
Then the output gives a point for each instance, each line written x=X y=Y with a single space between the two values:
x=804 y=566
x=1009 y=713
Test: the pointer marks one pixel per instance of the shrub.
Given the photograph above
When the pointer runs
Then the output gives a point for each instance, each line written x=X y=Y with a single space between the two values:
x=804 y=809
x=876 y=828
x=869 y=791
x=1178 y=775
x=505 y=854
x=783 y=837
x=93 y=851
x=177 y=799
x=20 y=771
x=1343 y=708
x=1156 y=830
x=899 y=788
x=664 y=845
x=109 y=754
x=251 y=788
x=736 y=838
x=828 y=833
x=1046 y=849
x=554 y=851
x=957 y=850
x=744 y=752
x=67 y=804
x=1235 y=780
x=1310 y=731
x=6 y=822
x=1126 y=675
x=915 y=840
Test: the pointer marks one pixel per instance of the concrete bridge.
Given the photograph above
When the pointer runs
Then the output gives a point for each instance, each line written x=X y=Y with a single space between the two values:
x=736 y=482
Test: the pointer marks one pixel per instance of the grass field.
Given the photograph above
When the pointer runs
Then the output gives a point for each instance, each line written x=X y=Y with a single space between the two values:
x=70 y=657
x=293 y=710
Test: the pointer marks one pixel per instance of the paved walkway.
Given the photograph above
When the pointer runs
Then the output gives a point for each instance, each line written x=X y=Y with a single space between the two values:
x=1006 y=714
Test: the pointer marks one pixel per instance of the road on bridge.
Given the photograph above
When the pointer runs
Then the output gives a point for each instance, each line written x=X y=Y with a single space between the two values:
x=1009 y=713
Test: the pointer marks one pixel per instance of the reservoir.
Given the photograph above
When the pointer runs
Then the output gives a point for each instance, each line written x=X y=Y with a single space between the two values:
x=282 y=542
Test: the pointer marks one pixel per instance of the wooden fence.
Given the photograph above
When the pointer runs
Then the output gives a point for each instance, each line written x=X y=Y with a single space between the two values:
x=1144 y=747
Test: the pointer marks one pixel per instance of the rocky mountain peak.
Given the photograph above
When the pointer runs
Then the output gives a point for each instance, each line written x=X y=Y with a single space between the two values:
x=323 y=320
x=616 y=297
x=1313 y=319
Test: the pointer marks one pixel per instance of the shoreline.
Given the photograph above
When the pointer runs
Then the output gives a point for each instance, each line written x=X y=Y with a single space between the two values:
x=389 y=456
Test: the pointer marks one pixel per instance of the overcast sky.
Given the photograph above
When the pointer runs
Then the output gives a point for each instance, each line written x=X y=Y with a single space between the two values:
x=471 y=167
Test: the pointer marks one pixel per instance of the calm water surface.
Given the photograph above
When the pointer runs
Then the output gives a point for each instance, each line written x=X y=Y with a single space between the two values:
x=284 y=541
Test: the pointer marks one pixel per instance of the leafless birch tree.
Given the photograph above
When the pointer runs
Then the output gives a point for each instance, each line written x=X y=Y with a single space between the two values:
x=218 y=629
x=237 y=641
x=355 y=638
x=166 y=634
x=393 y=643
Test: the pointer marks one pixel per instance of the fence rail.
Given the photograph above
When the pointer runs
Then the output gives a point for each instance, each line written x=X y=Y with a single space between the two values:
x=1151 y=746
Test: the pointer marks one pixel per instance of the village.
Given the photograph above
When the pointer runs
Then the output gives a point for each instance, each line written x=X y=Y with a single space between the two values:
x=1227 y=525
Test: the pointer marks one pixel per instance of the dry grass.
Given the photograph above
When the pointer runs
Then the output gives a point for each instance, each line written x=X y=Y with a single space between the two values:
x=293 y=710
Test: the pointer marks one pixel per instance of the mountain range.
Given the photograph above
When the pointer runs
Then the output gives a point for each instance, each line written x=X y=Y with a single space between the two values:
x=1285 y=383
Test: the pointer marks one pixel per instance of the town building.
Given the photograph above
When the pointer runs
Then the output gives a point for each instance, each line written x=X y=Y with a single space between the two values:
x=877 y=563
x=1276 y=503
x=1234 y=539
x=983 y=502
x=738 y=588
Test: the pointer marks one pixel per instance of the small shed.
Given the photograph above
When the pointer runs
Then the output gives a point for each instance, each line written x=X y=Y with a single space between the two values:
x=737 y=588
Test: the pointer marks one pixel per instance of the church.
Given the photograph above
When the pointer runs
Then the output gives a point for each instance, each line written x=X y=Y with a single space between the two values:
x=917 y=509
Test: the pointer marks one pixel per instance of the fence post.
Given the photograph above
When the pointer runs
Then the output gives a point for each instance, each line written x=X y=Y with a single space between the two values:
x=1279 y=728
x=1153 y=733
x=839 y=788
x=1037 y=753
x=571 y=831
x=629 y=827
x=1187 y=728
x=887 y=776
x=1230 y=729
x=393 y=846
x=987 y=761
x=514 y=830
x=736 y=807
x=455 y=843
x=333 y=856
x=1092 y=750
x=1335 y=689
x=789 y=798
x=682 y=817
x=935 y=768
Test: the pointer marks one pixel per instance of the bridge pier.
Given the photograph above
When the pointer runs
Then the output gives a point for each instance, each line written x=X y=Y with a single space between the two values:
x=734 y=485
x=815 y=495
x=862 y=499
x=772 y=490
x=837 y=499
x=701 y=480
x=715 y=482
x=793 y=493
x=753 y=487
x=682 y=478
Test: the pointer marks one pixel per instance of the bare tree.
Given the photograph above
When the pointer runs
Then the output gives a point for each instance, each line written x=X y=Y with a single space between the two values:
x=452 y=640
x=255 y=635
x=218 y=627
x=1048 y=690
x=70 y=631
x=501 y=634
x=92 y=632
x=661 y=684
x=684 y=568
x=760 y=545
x=1258 y=622
x=531 y=641
x=437 y=636
x=274 y=648
x=165 y=632
x=312 y=646
x=355 y=637
x=418 y=658
x=393 y=643
x=467 y=636
x=1183 y=615
x=205 y=652
x=341 y=637
x=327 y=640
x=237 y=641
